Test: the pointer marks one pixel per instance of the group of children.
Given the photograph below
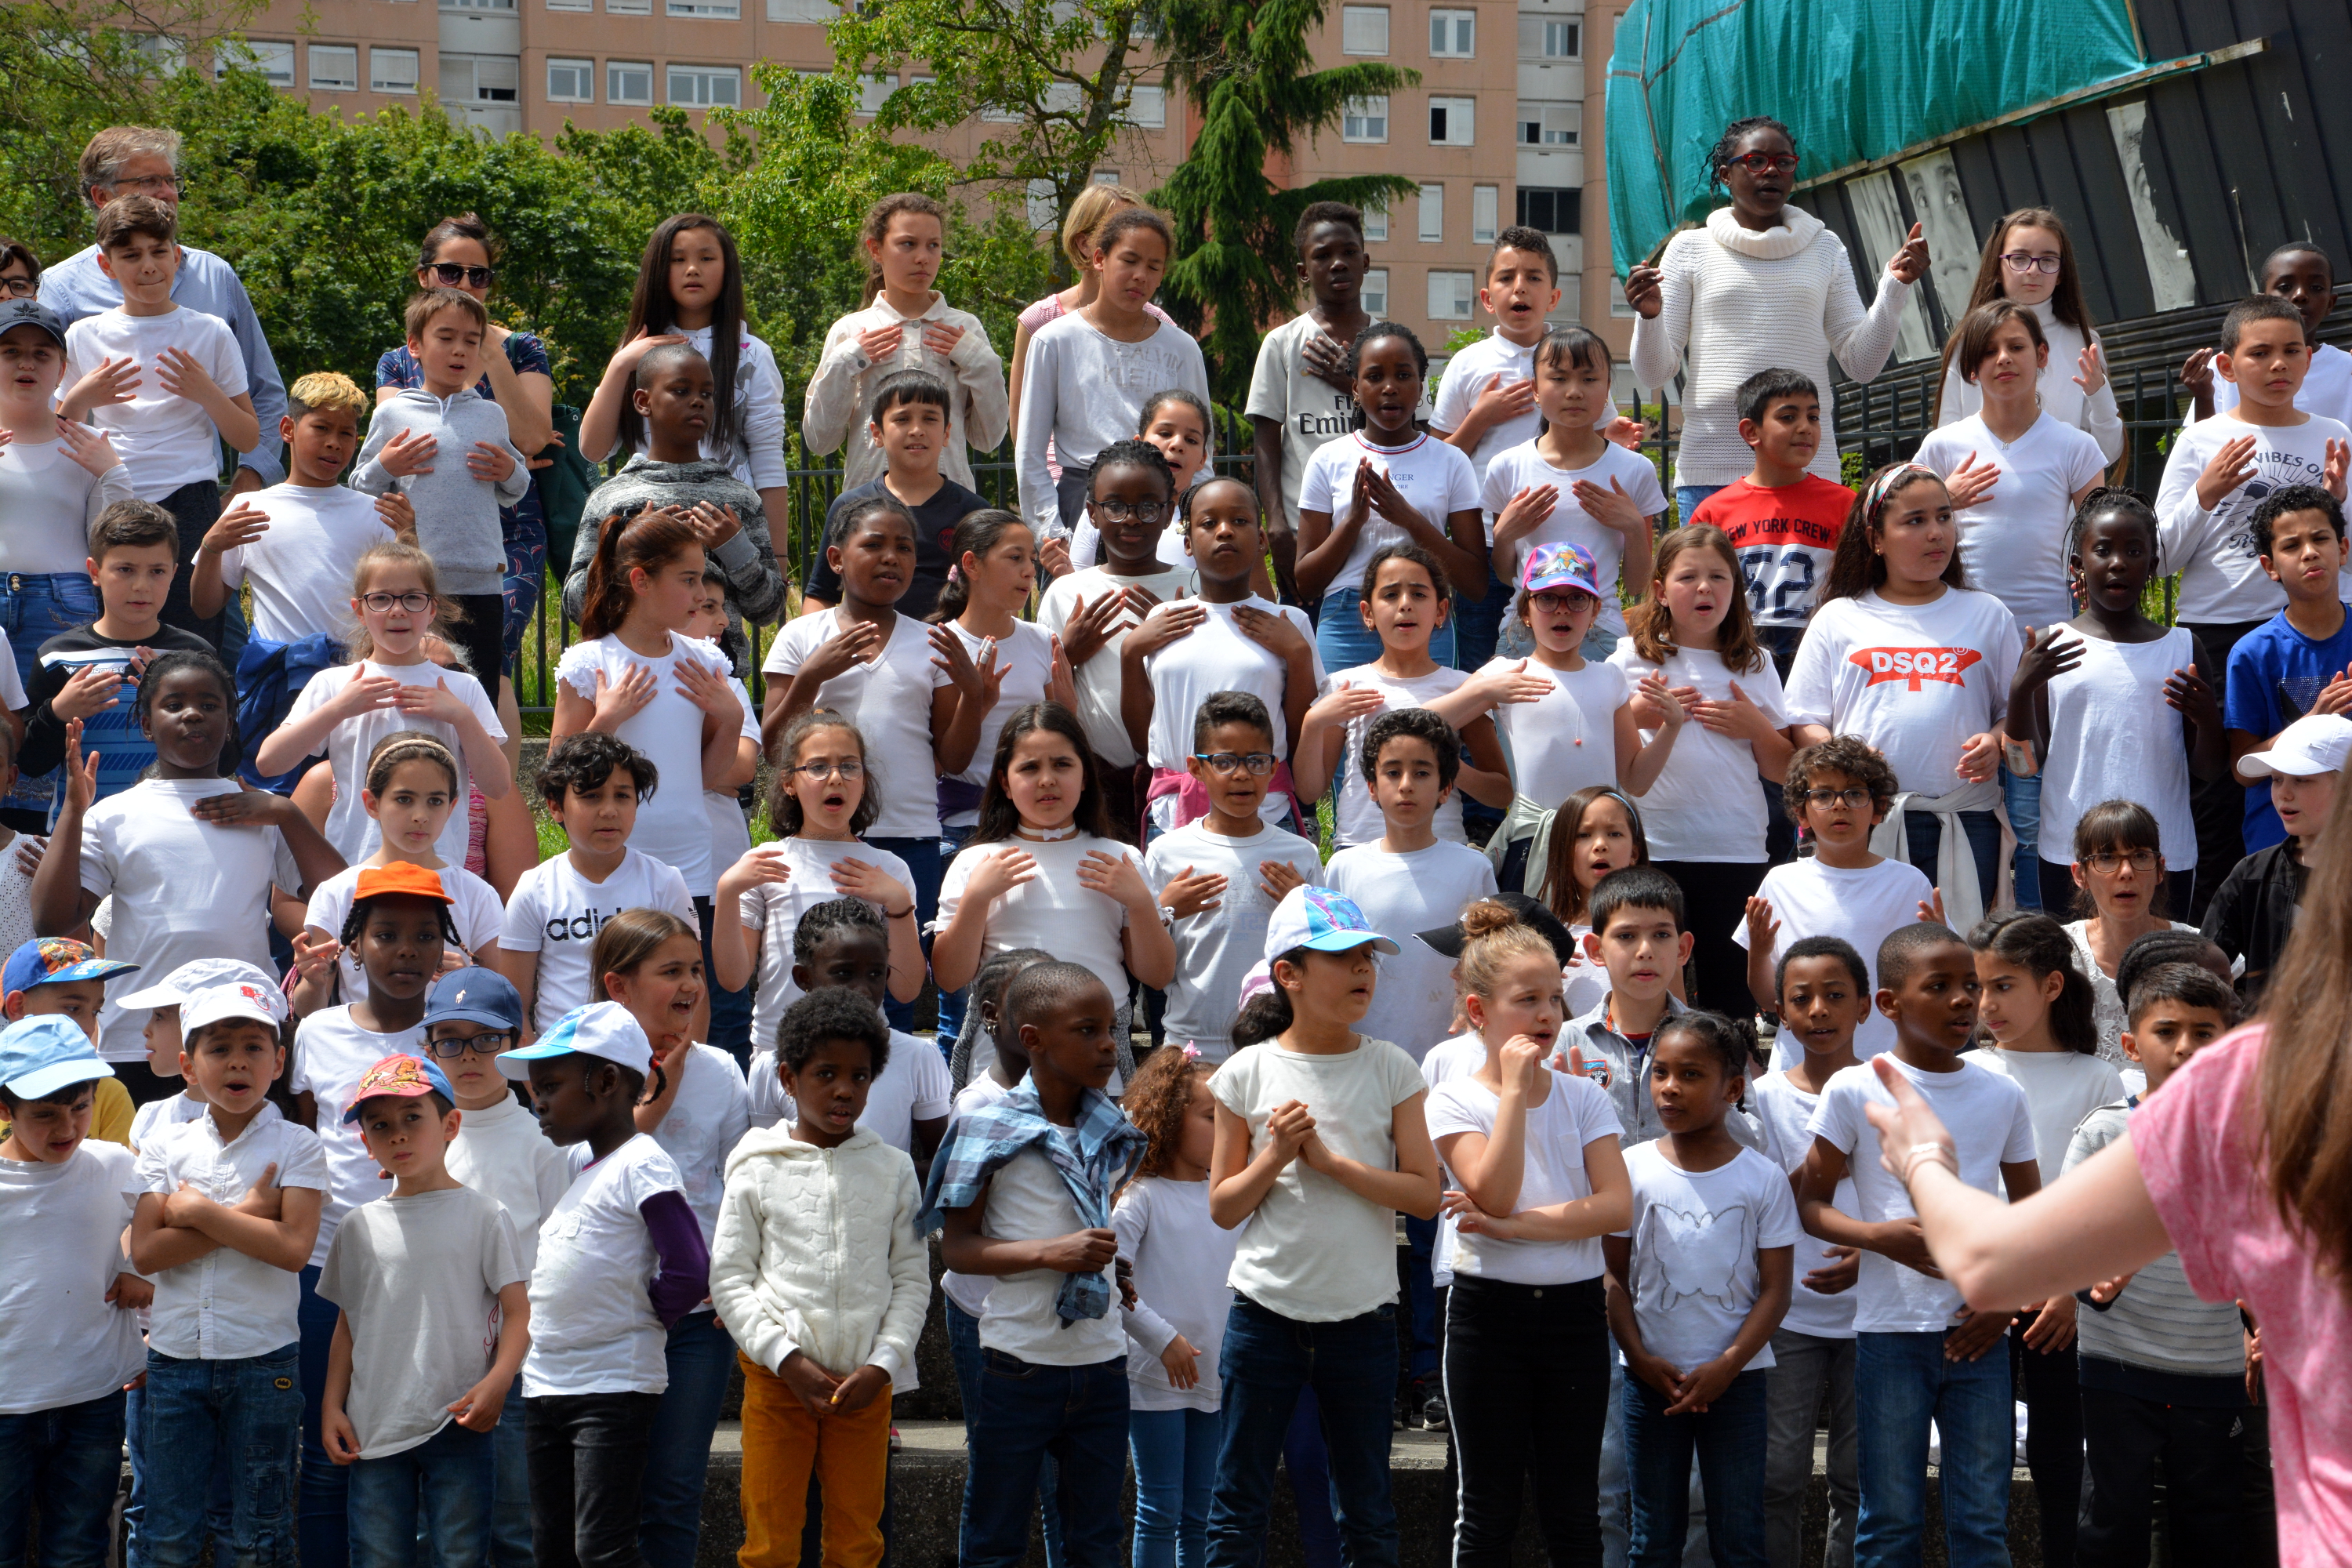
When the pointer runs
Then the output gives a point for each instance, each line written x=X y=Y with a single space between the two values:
x=1188 y=1073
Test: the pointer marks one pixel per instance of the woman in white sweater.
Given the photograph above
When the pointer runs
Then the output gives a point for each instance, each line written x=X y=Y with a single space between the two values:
x=2029 y=258
x=1762 y=285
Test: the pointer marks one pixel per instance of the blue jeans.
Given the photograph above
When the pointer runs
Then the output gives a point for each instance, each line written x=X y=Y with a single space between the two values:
x=1027 y=1411
x=1265 y=1362
x=323 y=1503
x=1344 y=641
x=1688 y=499
x=701 y=1358
x=441 y=1490
x=2022 y=800
x=1901 y=1383
x=950 y=1018
x=1727 y=1439
x=1421 y=1297
x=249 y=1409
x=963 y=1348
x=34 y=607
x=1983 y=831
x=1307 y=1462
x=134 y=1425
x=1175 y=1471
x=70 y=1457
x=923 y=863
x=511 y=1487
x=1478 y=623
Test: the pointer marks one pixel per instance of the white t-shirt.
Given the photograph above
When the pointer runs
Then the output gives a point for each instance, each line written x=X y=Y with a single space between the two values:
x=556 y=913
x=227 y=1305
x=51 y=500
x=61 y=1247
x=352 y=832
x=189 y=890
x=166 y=440
x=1435 y=479
x=774 y=910
x=1521 y=468
x=889 y=700
x=592 y=1325
x=1412 y=1000
x=2014 y=541
x=1573 y=1114
x=302 y=568
x=499 y=1150
x=1181 y=1258
x=711 y=1113
x=1567 y=740
x=474 y=910
x=970 y=1291
x=914 y=1086
x=1313 y=1250
x=1696 y=1236
x=2112 y=738
x=1051 y=909
x=1913 y=680
x=1864 y=907
x=1991 y=1127
x=1466 y=376
x=160 y=1116
x=331 y=1054
x=1098 y=679
x=1029 y=654
x=672 y=825
x=1696 y=809
x=1215 y=656
x=1783 y=1112
x=2327 y=386
x=2221 y=576
x=1028 y=1201
x=1217 y=946
x=2061 y=1089
x=1311 y=412
x=731 y=831
x=1357 y=816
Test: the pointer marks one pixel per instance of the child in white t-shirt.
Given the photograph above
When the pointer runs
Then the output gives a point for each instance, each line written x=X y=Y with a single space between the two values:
x=997 y=664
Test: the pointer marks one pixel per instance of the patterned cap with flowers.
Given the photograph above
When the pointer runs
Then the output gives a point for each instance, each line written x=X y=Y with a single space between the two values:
x=399 y=1077
x=54 y=961
x=1562 y=565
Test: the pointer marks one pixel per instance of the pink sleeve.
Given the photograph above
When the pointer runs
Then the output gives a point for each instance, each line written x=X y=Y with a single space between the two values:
x=1042 y=311
x=2194 y=1148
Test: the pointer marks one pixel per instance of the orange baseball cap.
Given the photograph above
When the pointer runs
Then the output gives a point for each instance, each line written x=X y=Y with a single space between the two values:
x=415 y=881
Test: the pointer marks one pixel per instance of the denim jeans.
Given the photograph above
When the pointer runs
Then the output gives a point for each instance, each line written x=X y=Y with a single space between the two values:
x=1478 y=623
x=1688 y=499
x=1727 y=1439
x=1344 y=641
x=1901 y=1383
x=1421 y=1298
x=432 y=1501
x=134 y=1507
x=1527 y=1390
x=249 y=1409
x=1984 y=830
x=68 y=1458
x=1306 y=1460
x=1351 y=1365
x=2022 y=798
x=34 y=607
x=1028 y=1410
x=922 y=858
x=701 y=1356
x=1175 y=1471
x=322 y=1504
x=587 y=1454
x=511 y=1487
x=1801 y=1365
x=1616 y=1513
x=963 y=1348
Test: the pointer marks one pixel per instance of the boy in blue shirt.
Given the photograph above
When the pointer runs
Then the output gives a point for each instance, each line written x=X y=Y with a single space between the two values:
x=2298 y=662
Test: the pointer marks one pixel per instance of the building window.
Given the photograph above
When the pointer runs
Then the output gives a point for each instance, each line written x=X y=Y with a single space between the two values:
x=570 y=81
x=1550 y=125
x=1105 y=176
x=713 y=10
x=1364 y=29
x=1552 y=209
x=1450 y=294
x=816 y=11
x=334 y=67
x=1376 y=224
x=1483 y=205
x=391 y=70
x=1450 y=121
x=874 y=92
x=1452 y=34
x=478 y=5
x=275 y=61
x=571 y=5
x=628 y=82
x=706 y=86
x=1541 y=37
x=1365 y=120
x=1374 y=294
x=1433 y=213
x=1148 y=106
x=163 y=54
x=481 y=78
x=630 y=7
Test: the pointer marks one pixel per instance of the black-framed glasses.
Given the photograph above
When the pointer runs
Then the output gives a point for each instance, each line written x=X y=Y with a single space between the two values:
x=2026 y=261
x=1146 y=512
x=848 y=769
x=1842 y=799
x=1766 y=162
x=19 y=288
x=1257 y=765
x=448 y=274
x=2108 y=861
x=415 y=604
x=449 y=1049
x=148 y=184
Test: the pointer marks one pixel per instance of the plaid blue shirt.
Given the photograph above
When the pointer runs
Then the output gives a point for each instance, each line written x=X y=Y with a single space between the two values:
x=1092 y=1157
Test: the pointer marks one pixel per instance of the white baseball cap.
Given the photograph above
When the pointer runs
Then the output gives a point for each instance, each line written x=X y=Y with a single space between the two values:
x=197 y=975
x=2314 y=743
x=264 y=1004
x=605 y=1029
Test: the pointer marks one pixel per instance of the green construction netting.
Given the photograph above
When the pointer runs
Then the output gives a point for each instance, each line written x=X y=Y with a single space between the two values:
x=1853 y=79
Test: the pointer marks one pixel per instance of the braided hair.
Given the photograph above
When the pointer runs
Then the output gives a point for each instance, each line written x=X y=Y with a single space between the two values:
x=1720 y=156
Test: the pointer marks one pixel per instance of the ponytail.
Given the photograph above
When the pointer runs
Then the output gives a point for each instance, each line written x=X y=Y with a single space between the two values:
x=1267 y=1011
x=2040 y=945
x=976 y=535
x=650 y=540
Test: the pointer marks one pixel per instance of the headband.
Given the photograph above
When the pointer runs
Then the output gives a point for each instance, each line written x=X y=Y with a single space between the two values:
x=1887 y=482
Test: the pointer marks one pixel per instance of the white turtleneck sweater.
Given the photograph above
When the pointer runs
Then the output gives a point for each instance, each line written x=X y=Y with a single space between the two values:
x=1739 y=302
x=2095 y=415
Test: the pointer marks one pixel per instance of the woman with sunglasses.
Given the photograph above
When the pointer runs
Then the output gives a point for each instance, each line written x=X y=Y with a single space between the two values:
x=2030 y=261
x=1761 y=285
x=518 y=378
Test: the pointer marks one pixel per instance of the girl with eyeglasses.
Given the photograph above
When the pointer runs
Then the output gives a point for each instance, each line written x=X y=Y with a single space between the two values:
x=391 y=685
x=2121 y=880
x=2029 y=260
x=1761 y=285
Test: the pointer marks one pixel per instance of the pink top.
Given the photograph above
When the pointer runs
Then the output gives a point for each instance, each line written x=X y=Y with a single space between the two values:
x=2195 y=1145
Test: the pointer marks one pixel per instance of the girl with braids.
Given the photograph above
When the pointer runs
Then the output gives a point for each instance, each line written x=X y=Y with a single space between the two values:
x=2090 y=694
x=1761 y=284
x=2029 y=261
x=410 y=793
x=1903 y=655
x=906 y=324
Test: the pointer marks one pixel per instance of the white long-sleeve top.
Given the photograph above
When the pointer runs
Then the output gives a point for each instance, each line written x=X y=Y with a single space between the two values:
x=2095 y=415
x=1085 y=389
x=841 y=392
x=1737 y=301
x=51 y=500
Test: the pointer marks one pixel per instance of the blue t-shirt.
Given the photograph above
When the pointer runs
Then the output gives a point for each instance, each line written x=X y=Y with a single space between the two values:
x=2276 y=675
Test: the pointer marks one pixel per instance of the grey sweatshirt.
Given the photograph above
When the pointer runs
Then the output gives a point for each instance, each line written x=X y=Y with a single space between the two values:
x=457 y=514
x=755 y=587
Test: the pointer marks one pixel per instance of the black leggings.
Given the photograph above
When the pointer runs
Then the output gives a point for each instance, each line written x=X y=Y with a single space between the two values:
x=2051 y=1386
x=1714 y=906
x=482 y=634
x=1527 y=1392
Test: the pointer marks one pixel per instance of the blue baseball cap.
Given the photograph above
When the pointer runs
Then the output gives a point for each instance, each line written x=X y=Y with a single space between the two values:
x=602 y=1029
x=401 y=1077
x=42 y=1055
x=55 y=960
x=1321 y=920
x=475 y=996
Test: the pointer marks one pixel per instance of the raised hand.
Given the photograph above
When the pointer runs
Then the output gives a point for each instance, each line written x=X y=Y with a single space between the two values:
x=114 y=381
x=314 y=955
x=1739 y=719
x=399 y=514
x=2091 y=369
x=1522 y=1058
x=855 y=879
x=2339 y=455
x=1180 y=616
x=1278 y=877
x=1500 y=400
x=941 y=337
x=1061 y=684
x=999 y=874
x=709 y=690
x=1665 y=705
x=1054 y=555
x=1117 y=876
x=1763 y=929
x=853 y=645
x=2196 y=373
x=241 y=525
x=716 y=524
x=1979 y=754
x=81 y=774
x=1092 y=626
x=1326 y=361
x=1595 y=1067
x=363 y=693
x=89 y=447
x=1910 y=263
x=1345 y=703
x=2190 y=695
x=1931 y=908
x=1288 y=1127
x=434 y=702
x=619 y=701
x=408 y=452
x=1643 y=294
x=244 y=808
x=2228 y=468
x=1512 y=683
x=2043 y=659
x=1270 y=631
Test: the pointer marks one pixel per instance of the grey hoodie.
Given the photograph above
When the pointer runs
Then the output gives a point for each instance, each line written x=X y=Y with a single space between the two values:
x=457 y=514
x=755 y=585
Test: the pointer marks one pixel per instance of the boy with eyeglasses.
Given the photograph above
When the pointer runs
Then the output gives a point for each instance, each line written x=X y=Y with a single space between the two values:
x=1837 y=793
